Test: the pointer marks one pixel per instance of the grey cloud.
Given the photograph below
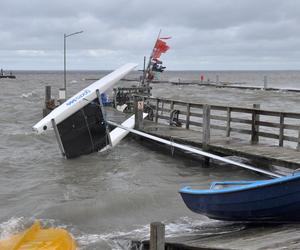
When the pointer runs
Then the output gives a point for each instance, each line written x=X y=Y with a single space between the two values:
x=206 y=33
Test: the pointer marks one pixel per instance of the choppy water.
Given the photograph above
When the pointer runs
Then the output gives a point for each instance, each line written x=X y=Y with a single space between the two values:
x=104 y=199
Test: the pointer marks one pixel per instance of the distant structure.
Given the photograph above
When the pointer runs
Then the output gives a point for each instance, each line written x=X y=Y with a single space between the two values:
x=9 y=76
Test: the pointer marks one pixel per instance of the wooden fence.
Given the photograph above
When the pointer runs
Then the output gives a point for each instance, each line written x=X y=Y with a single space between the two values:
x=253 y=121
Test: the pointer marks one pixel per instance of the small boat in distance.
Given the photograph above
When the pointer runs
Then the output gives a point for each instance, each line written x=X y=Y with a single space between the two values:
x=9 y=76
x=275 y=200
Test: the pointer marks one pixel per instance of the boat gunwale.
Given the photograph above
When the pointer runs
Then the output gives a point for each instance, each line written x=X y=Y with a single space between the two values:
x=250 y=186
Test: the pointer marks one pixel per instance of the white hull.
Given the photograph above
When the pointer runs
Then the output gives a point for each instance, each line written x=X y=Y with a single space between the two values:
x=82 y=98
x=117 y=134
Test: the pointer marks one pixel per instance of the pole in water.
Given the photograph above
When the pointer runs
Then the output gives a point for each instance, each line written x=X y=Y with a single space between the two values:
x=195 y=151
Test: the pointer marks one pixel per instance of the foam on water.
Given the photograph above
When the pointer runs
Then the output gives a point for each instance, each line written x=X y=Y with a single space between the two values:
x=12 y=226
x=120 y=240
x=183 y=226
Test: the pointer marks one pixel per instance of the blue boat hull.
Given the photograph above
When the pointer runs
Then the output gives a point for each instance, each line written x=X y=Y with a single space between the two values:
x=272 y=200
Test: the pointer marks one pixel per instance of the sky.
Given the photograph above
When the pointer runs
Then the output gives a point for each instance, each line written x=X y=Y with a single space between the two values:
x=206 y=34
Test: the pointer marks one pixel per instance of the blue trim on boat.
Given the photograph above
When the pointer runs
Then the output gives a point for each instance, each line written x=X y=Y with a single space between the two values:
x=246 y=185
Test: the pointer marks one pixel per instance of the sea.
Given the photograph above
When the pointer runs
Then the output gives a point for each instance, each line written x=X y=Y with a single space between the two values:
x=106 y=199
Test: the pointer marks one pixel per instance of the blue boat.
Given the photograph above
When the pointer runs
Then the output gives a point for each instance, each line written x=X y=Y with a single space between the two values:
x=275 y=200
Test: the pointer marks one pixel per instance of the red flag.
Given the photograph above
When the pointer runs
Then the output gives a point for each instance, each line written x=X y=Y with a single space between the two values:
x=159 y=48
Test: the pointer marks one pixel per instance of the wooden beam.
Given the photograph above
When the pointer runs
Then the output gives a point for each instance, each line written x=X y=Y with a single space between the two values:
x=255 y=127
x=157 y=236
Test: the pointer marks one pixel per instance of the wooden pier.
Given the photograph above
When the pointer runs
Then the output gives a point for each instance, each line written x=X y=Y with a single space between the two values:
x=263 y=136
x=234 y=236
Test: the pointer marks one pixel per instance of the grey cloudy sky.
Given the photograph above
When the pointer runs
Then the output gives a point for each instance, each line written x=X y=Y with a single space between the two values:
x=206 y=34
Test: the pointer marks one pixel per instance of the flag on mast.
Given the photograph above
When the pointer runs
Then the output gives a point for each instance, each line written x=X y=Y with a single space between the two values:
x=159 y=48
x=155 y=64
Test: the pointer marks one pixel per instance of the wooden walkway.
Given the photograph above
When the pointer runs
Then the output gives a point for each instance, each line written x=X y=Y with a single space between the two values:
x=227 y=146
x=227 y=141
x=263 y=136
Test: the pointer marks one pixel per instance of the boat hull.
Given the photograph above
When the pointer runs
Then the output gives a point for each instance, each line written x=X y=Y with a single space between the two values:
x=273 y=200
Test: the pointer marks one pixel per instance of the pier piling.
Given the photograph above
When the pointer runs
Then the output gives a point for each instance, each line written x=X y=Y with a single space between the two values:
x=49 y=102
x=255 y=122
x=157 y=236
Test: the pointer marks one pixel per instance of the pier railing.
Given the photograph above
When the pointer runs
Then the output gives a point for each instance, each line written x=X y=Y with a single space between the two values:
x=253 y=122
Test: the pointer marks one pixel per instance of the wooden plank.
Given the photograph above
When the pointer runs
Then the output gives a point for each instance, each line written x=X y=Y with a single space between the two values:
x=240 y=120
x=255 y=127
x=268 y=124
x=290 y=138
x=171 y=105
x=268 y=135
x=241 y=110
x=206 y=126
x=218 y=118
x=281 y=130
x=187 y=122
x=291 y=127
x=241 y=131
x=196 y=105
x=196 y=114
x=157 y=236
x=156 y=109
x=228 y=120
x=218 y=127
x=218 y=108
x=198 y=124
x=292 y=115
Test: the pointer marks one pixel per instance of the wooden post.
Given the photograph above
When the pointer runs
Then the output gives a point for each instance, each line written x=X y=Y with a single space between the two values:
x=281 y=130
x=206 y=126
x=47 y=93
x=255 y=126
x=46 y=109
x=188 y=111
x=157 y=236
x=138 y=111
x=228 y=122
x=217 y=79
x=156 y=112
x=172 y=105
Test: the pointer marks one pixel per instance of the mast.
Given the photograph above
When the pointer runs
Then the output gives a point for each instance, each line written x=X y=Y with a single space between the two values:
x=150 y=59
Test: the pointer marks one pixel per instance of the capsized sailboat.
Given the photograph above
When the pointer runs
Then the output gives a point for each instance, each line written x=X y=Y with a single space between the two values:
x=79 y=123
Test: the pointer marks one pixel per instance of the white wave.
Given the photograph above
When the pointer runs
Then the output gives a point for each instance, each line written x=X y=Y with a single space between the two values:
x=12 y=226
x=119 y=240
x=29 y=95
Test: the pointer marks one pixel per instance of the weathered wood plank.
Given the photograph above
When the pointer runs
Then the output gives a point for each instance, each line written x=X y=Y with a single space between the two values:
x=206 y=126
x=255 y=127
x=281 y=130
x=228 y=120
x=187 y=122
